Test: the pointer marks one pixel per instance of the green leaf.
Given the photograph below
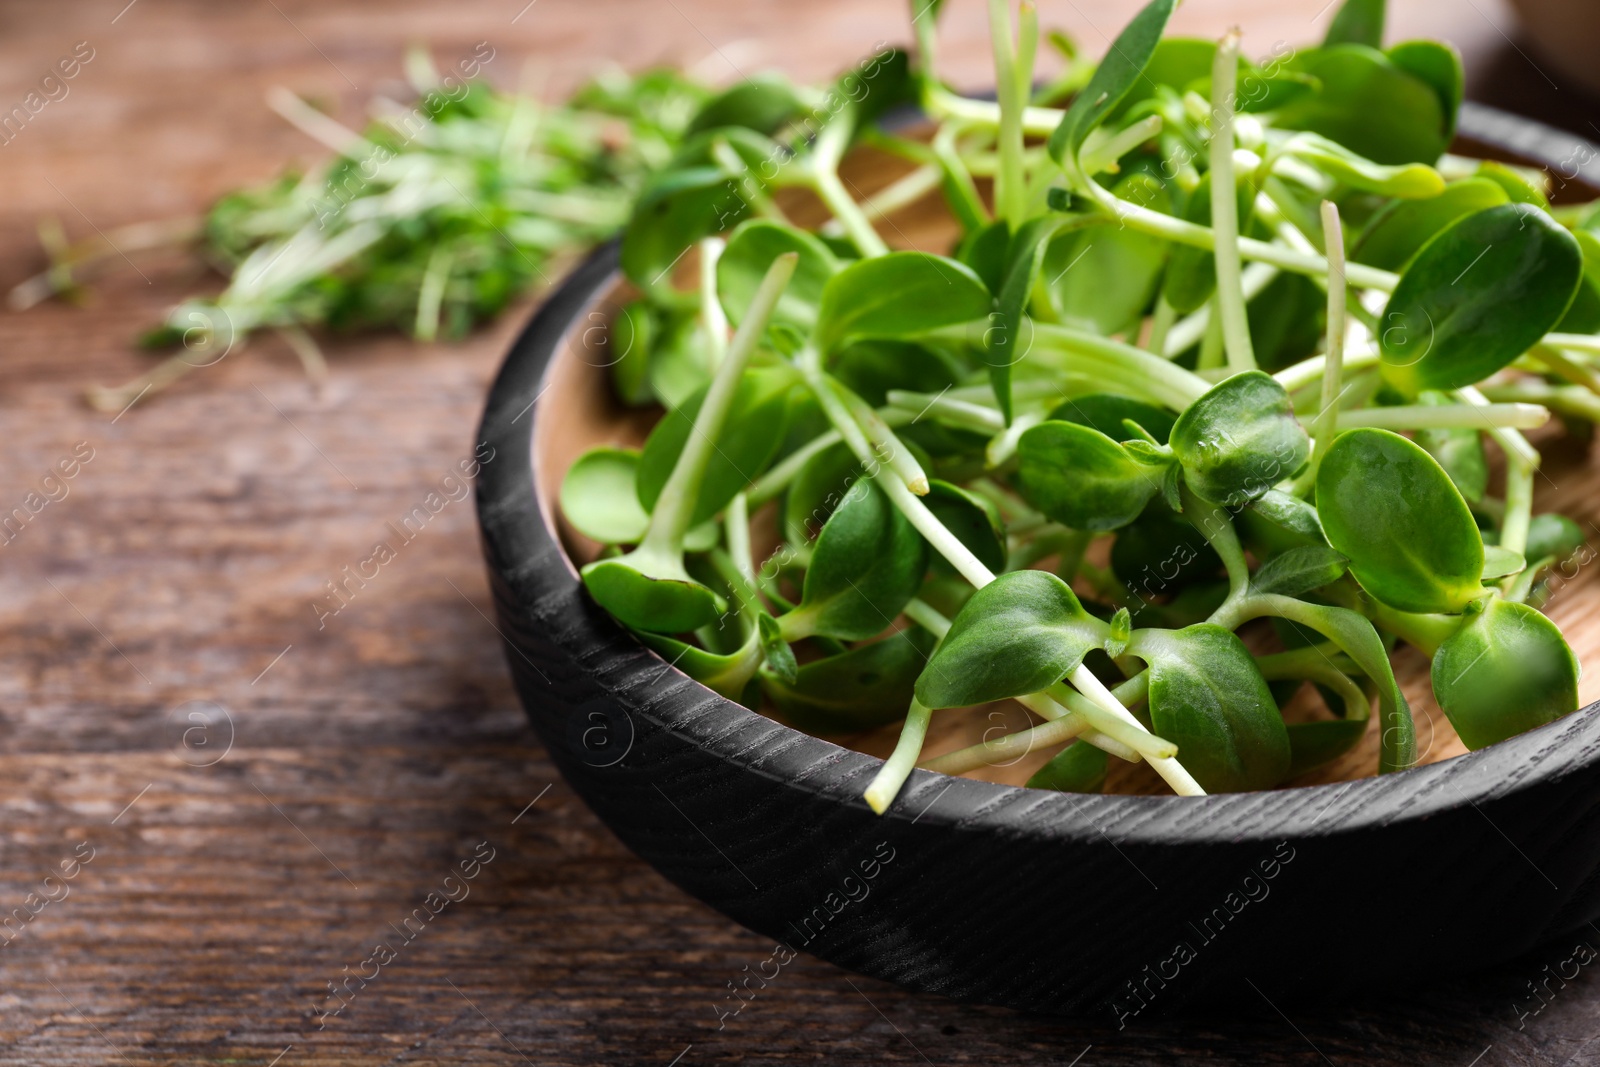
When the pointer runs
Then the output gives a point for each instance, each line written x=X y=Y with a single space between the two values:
x=1104 y=278
x=818 y=489
x=1005 y=339
x=1552 y=536
x=1438 y=64
x=1477 y=296
x=1370 y=105
x=745 y=444
x=1399 y=230
x=1078 y=768
x=974 y=520
x=901 y=294
x=1389 y=507
x=1289 y=514
x=1208 y=697
x=1159 y=555
x=598 y=496
x=1501 y=562
x=651 y=594
x=1316 y=744
x=872 y=367
x=1408 y=181
x=676 y=209
x=727 y=675
x=628 y=344
x=1507 y=671
x=1106 y=413
x=1356 y=638
x=1518 y=188
x=1082 y=478
x=1299 y=570
x=1239 y=439
x=1458 y=450
x=750 y=252
x=868 y=686
x=1357 y=22
x=984 y=250
x=1022 y=632
x=762 y=103
x=1116 y=75
x=868 y=561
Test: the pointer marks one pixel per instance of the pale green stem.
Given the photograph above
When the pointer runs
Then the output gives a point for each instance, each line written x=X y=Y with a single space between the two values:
x=1215 y=526
x=1573 y=400
x=966 y=413
x=1036 y=121
x=1557 y=362
x=430 y=295
x=1009 y=184
x=1464 y=417
x=1511 y=442
x=1146 y=220
x=1225 y=206
x=1214 y=345
x=1101 y=154
x=670 y=520
x=1309 y=371
x=898 y=767
x=1162 y=320
x=1174 y=386
x=1328 y=418
x=1519 y=506
x=883 y=440
x=830 y=190
x=1054 y=731
x=1191 y=329
x=1004 y=445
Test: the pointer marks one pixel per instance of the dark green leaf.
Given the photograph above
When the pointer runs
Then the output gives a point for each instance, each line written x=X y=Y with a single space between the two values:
x=1299 y=570
x=984 y=250
x=1113 y=79
x=974 y=520
x=868 y=686
x=1078 y=768
x=775 y=650
x=817 y=490
x=1239 y=439
x=675 y=210
x=1290 y=514
x=867 y=562
x=1005 y=338
x=1159 y=555
x=901 y=294
x=1315 y=744
x=1022 y=632
x=1208 y=697
x=1458 y=450
x=1393 y=511
x=1399 y=230
x=1477 y=296
x=1507 y=671
x=625 y=347
x=1438 y=64
x=662 y=599
x=1104 y=278
x=1370 y=105
x=727 y=675
x=1082 y=478
x=762 y=103
x=1105 y=412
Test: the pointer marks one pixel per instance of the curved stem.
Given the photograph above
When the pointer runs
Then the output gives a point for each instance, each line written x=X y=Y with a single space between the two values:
x=1225 y=206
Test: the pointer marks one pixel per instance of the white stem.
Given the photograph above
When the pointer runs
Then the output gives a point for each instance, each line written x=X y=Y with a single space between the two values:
x=898 y=767
x=1450 y=417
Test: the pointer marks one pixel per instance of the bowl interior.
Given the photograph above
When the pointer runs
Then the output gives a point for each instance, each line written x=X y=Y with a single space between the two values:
x=579 y=411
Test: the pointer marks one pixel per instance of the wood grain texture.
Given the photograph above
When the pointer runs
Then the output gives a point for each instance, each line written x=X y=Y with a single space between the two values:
x=389 y=744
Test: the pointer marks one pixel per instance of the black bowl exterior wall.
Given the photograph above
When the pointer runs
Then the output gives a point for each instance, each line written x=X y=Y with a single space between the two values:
x=1116 y=907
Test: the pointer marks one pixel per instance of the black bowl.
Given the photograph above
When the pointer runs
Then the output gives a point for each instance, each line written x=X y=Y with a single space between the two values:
x=1116 y=906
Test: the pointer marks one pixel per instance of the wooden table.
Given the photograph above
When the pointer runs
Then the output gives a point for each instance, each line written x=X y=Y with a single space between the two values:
x=260 y=801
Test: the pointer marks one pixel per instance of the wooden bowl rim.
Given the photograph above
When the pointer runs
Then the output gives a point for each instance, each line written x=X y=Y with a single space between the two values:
x=516 y=526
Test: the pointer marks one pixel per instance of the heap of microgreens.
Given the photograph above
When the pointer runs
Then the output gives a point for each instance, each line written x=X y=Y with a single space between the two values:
x=1190 y=325
x=430 y=222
